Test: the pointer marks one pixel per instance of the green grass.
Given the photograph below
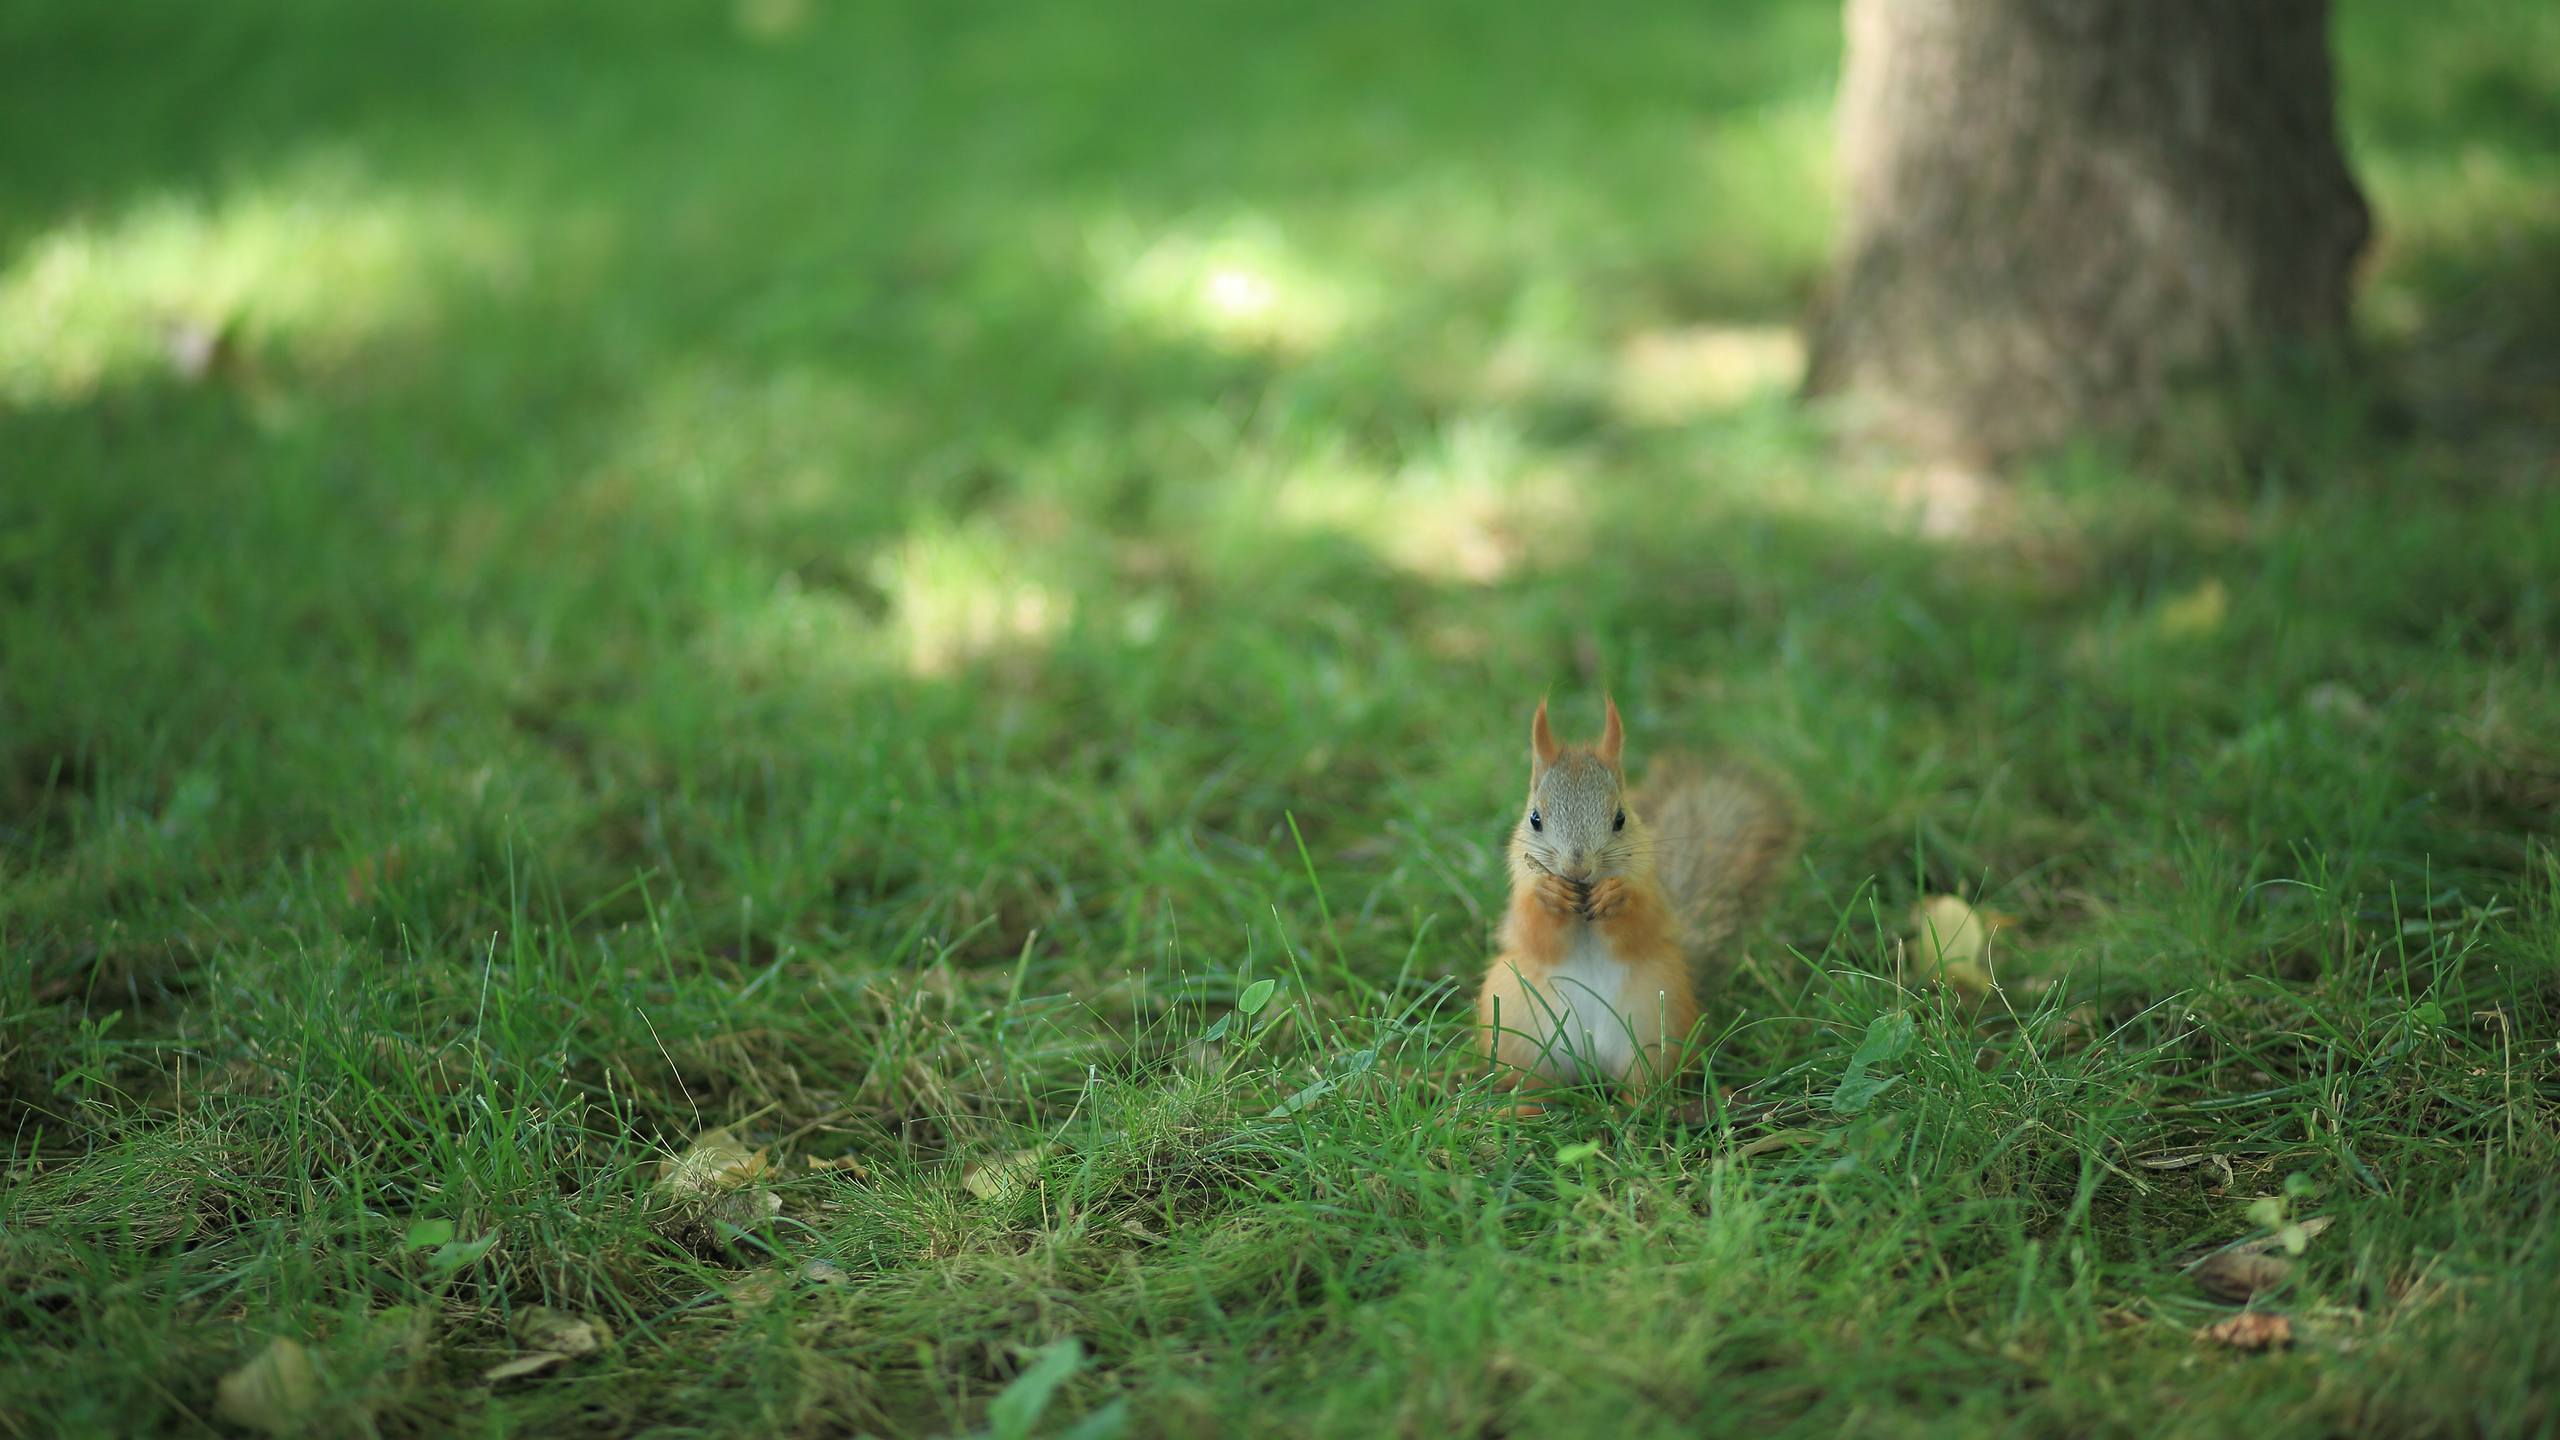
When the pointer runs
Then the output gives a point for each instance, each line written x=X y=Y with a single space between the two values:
x=860 y=573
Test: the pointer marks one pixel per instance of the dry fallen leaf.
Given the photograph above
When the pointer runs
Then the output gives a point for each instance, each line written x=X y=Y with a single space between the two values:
x=2196 y=611
x=998 y=1180
x=713 y=1184
x=844 y=1164
x=275 y=1392
x=1951 y=942
x=2250 y=1330
x=523 y=1365
x=715 y=1162
x=551 y=1337
x=750 y=1292
x=542 y=1328
x=2240 y=1275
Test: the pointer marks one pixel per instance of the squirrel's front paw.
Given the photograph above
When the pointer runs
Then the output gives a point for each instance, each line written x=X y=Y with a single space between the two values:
x=1558 y=895
x=1608 y=897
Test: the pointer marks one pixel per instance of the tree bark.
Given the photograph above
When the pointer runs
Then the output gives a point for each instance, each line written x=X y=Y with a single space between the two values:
x=2057 y=209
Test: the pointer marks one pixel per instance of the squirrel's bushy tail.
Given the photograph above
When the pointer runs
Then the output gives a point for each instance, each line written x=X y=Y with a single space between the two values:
x=1721 y=835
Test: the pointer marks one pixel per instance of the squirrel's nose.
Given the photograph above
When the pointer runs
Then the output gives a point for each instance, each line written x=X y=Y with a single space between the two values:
x=1582 y=860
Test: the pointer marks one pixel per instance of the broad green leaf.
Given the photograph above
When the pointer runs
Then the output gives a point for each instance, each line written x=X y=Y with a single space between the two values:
x=1255 y=996
x=1343 y=1068
x=456 y=1254
x=1888 y=1039
x=427 y=1235
x=1012 y=1414
x=1855 y=1093
x=1107 y=1423
x=1301 y=1100
x=276 y=1392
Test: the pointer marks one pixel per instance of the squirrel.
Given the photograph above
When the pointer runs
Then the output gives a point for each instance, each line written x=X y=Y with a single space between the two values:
x=1621 y=905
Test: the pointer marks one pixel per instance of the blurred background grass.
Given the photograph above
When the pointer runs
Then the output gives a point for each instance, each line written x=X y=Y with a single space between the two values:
x=650 y=548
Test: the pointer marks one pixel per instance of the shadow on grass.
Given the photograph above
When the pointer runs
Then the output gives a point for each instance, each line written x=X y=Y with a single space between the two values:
x=846 y=528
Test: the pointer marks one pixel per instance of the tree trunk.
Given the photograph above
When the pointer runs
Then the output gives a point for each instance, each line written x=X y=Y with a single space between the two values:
x=2057 y=208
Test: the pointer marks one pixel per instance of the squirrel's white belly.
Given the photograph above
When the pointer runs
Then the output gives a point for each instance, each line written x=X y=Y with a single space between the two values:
x=1590 y=1022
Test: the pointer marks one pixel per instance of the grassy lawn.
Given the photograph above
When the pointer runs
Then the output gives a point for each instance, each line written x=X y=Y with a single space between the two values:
x=864 y=575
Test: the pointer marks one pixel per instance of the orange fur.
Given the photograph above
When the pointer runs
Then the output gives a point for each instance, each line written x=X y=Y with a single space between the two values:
x=1592 y=981
x=1613 y=923
x=1635 y=924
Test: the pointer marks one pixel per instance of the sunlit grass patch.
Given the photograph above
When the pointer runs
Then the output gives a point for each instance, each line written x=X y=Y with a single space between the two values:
x=2442 y=214
x=797 y=635
x=1667 y=376
x=1477 y=504
x=1238 y=285
x=754 y=447
x=936 y=602
x=960 y=595
x=1765 y=173
x=312 y=261
x=981 y=633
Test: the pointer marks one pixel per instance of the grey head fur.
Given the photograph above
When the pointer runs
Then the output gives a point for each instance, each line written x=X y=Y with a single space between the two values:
x=1576 y=823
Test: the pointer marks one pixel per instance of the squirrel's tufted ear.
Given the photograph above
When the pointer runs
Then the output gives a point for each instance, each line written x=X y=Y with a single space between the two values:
x=1542 y=741
x=1613 y=736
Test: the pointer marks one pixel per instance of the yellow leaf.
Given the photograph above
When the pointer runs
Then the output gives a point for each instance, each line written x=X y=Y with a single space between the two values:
x=275 y=1392
x=533 y=1364
x=998 y=1180
x=2250 y=1330
x=2199 y=611
x=710 y=1186
x=716 y=1162
x=1951 y=942
x=2235 y=1275
x=749 y=1292
x=542 y=1328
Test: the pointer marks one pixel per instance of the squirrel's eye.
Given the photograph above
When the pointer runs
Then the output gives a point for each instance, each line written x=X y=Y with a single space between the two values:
x=1535 y=823
x=1621 y=822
